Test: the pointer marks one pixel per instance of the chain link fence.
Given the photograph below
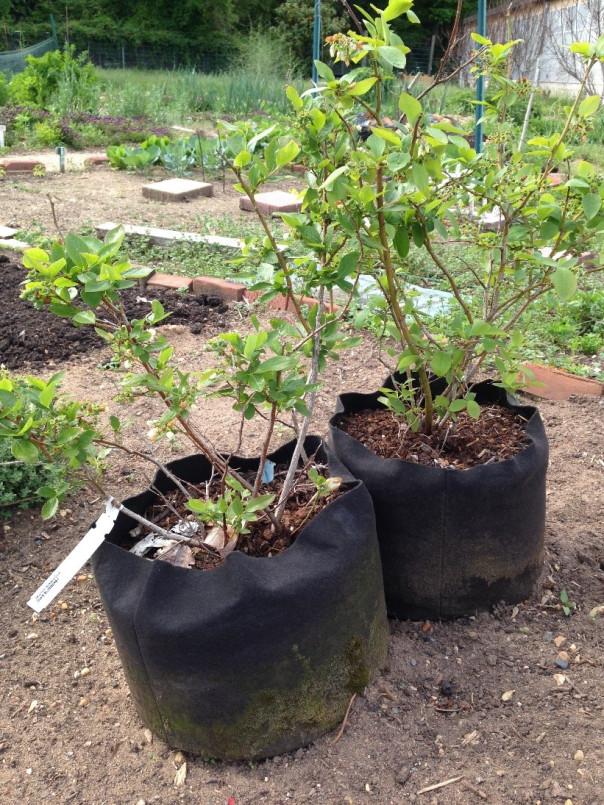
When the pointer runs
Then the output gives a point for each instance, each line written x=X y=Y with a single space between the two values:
x=124 y=55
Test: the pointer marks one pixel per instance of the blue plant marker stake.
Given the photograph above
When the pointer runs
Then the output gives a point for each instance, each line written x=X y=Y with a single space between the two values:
x=268 y=473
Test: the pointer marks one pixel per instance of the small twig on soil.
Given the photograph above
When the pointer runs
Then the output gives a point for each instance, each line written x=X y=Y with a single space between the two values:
x=345 y=721
x=54 y=216
x=440 y=785
x=476 y=791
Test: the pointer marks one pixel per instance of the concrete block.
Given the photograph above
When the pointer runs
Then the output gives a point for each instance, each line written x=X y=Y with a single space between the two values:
x=165 y=237
x=214 y=286
x=176 y=190
x=173 y=282
x=272 y=203
x=14 y=245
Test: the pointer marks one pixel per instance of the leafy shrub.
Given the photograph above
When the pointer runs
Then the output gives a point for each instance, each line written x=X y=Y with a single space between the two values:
x=46 y=134
x=58 y=80
x=20 y=482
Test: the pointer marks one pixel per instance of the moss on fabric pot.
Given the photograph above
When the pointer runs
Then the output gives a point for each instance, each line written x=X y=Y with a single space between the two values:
x=260 y=655
x=454 y=541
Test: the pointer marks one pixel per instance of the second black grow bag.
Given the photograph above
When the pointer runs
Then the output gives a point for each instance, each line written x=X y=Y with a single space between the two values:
x=260 y=655
x=454 y=541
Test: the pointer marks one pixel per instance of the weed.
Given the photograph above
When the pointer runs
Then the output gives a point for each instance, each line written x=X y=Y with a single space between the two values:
x=568 y=606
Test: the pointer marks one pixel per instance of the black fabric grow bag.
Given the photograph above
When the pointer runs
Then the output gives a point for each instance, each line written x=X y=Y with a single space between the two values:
x=453 y=541
x=258 y=656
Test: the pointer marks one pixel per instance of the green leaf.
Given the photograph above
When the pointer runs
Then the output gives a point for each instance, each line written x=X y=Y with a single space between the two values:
x=387 y=134
x=75 y=248
x=293 y=97
x=393 y=56
x=24 y=451
x=324 y=71
x=262 y=135
x=473 y=409
x=410 y=107
x=441 y=363
x=420 y=176
x=259 y=502
x=376 y=145
x=287 y=154
x=198 y=506
x=278 y=363
x=333 y=176
x=401 y=241
x=437 y=135
x=49 y=509
x=584 y=49
x=46 y=396
x=31 y=257
x=242 y=159
x=565 y=283
x=591 y=204
x=589 y=106
x=115 y=423
x=396 y=8
x=457 y=406
x=361 y=87
x=481 y=40
x=84 y=317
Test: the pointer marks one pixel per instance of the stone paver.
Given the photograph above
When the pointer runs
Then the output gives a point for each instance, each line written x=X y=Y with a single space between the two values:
x=272 y=203
x=171 y=281
x=14 y=245
x=176 y=190
x=165 y=237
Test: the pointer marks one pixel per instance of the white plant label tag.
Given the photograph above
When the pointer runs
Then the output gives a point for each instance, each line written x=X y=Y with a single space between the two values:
x=78 y=557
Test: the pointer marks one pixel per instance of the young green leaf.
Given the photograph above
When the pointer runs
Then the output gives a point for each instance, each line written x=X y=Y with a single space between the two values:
x=361 y=87
x=49 y=509
x=565 y=283
x=410 y=107
x=591 y=205
x=589 y=106
x=387 y=134
x=287 y=154
x=393 y=56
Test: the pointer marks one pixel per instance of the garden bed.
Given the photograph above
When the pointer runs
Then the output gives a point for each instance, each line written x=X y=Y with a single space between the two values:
x=437 y=712
x=30 y=337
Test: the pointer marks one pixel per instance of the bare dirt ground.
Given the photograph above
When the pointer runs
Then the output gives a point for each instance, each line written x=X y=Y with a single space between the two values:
x=86 y=199
x=70 y=734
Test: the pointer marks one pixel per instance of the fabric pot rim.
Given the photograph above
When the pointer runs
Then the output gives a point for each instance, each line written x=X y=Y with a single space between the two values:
x=506 y=400
x=160 y=479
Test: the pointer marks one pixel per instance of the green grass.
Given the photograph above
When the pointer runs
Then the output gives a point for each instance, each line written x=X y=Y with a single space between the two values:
x=187 y=259
x=193 y=259
x=182 y=96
